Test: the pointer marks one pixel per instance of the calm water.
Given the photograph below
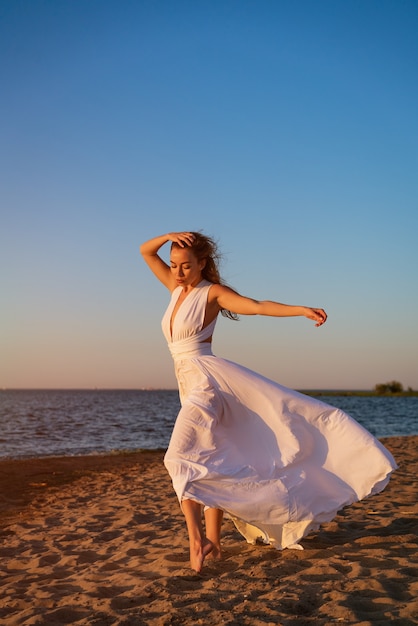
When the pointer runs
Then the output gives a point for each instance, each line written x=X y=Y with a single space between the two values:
x=43 y=423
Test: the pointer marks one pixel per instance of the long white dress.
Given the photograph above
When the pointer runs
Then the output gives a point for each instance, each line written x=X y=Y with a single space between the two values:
x=279 y=463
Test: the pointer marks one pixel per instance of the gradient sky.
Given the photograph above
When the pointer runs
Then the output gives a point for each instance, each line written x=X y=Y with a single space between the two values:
x=285 y=129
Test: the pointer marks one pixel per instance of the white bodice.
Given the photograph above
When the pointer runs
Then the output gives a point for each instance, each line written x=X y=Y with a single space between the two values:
x=185 y=334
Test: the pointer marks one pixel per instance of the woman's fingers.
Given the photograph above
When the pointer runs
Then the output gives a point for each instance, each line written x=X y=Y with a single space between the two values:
x=182 y=238
x=319 y=316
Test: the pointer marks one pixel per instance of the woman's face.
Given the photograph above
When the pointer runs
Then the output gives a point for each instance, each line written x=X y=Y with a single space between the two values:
x=185 y=267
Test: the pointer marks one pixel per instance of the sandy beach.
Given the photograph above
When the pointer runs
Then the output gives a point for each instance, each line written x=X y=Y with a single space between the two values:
x=101 y=540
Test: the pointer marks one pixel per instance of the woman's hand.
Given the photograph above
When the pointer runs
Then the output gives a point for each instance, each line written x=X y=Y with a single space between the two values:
x=183 y=239
x=317 y=315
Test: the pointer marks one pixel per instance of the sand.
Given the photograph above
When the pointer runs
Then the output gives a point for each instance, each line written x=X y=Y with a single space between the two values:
x=101 y=540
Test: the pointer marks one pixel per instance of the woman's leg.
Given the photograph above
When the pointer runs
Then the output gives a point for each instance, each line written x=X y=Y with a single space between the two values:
x=200 y=546
x=213 y=522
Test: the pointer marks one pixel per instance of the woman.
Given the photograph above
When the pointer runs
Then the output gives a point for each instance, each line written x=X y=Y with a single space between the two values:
x=277 y=462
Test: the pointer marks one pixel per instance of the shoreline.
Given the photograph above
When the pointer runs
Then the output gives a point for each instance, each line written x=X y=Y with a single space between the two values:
x=100 y=539
x=115 y=453
x=23 y=479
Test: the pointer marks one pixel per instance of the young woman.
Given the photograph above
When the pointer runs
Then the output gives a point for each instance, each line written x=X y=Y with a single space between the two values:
x=278 y=462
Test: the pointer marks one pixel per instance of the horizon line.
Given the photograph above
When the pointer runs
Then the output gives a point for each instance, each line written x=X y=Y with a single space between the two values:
x=150 y=388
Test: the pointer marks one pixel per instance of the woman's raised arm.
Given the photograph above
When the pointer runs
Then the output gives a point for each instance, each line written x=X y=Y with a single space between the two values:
x=149 y=250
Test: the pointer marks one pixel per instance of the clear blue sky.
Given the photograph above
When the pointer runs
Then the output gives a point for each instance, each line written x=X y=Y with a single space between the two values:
x=288 y=130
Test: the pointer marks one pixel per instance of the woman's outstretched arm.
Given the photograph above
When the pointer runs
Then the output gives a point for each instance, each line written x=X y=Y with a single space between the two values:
x=229 y=299
x=149 y=250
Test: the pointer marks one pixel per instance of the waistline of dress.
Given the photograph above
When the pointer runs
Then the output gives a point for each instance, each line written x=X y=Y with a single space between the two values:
x=188 y=350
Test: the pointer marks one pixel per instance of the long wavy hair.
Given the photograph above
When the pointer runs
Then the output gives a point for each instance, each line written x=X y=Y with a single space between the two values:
x=206 y=249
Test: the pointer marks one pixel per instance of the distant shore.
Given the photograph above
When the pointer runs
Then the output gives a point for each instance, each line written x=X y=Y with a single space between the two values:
x=101 y=540
x=359 y=393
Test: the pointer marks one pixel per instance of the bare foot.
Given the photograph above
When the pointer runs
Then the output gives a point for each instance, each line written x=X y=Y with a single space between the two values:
x=216 y=553
x=199 y=550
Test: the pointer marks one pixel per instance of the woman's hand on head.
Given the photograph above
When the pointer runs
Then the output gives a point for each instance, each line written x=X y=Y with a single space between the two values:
x=183 y=239
x=317 y=315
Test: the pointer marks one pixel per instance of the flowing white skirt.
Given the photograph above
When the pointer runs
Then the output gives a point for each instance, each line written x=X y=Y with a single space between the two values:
x=279 y=463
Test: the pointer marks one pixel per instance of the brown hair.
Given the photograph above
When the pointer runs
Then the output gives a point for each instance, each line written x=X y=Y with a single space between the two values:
x=205 y=248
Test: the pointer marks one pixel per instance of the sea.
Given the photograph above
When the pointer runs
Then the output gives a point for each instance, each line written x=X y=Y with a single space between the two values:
x=40 y=423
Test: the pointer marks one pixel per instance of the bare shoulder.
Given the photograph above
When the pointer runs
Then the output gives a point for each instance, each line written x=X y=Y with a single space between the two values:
x=216 y=291
x=224 y=298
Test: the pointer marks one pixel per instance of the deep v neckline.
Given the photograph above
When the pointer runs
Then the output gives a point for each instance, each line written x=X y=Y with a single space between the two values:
x=174 y=312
